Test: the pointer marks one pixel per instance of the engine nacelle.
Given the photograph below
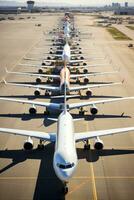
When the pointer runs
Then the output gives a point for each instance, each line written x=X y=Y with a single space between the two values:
x=84 y=64
x=49 y=58
x=32 y=110
x=82 y=58
x=93 y=110
x=37 y=92
x=38 y=80
x=98 y=144
x=40 y=71
x=85 y=71
x=28 y=144
x=86 y=80
x=89 y=93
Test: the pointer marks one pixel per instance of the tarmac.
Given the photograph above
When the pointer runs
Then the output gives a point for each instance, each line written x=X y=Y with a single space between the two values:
x=101 y=175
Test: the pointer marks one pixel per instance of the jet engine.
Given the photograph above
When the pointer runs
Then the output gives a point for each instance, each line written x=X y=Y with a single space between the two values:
x=85 y=71
x=93 y=110
x=84 y=64
x=32 y=110
x=89 y=93
x=28 y=144
x=37 y=92
x=49 y=58
x=98 y=144
x=40 y=71
x=86 y=80
x=38 y=80
x=82 y=58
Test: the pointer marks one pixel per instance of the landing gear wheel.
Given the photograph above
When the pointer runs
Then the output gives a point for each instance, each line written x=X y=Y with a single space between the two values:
x=81 y=112
x=48 y=81
x=78 y=81
x=65 y=190
x=40 y=145
x=46 y=112
x=86 y=146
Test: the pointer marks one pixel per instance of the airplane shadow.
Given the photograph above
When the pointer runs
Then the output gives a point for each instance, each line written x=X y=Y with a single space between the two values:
x=48 y=186
x=94 y=155
x=47 y=122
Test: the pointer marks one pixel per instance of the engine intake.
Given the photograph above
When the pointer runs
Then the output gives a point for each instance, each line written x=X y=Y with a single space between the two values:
x=93 y=110
x=32 y=110
x=98 y=144
x=38 y=80
x=86 y=80
x=37 y=92
x=85 y=71
x=28 y=144
x=89 y=93
x=40 y=71
x=84 y=64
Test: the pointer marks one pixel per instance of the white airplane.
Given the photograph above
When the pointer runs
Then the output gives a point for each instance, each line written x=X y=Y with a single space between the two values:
x=44 y=66
x=60 y=76
x=65 y=158
x=64 y=82
x=59 y=107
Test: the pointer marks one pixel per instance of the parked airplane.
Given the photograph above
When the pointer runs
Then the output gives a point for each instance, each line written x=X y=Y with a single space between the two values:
x=60 y=76
x=44 y=66
x=59 y=107
x=60 y=89
x=65 y=158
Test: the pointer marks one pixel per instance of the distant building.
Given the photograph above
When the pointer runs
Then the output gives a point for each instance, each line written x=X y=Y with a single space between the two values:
x=126 y=4
x=30 y=5
x=115 y=5
x=124 y=11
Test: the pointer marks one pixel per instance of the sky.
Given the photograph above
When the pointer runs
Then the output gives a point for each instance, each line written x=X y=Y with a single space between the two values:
x=76 y=2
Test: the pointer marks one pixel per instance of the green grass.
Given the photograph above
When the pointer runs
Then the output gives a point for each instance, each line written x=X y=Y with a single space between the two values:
x=130 y=27
x=117 y=35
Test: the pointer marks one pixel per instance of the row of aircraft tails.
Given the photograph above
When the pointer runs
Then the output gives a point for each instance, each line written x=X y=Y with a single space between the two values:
x=67 y=52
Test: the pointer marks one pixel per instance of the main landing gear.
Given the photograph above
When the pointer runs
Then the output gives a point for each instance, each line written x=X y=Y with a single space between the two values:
x=65 y=188
x=86 y=145
x=41 y=145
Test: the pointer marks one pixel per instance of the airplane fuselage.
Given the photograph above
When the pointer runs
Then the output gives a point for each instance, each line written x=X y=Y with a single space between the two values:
x=65 y=156
x=64 y=80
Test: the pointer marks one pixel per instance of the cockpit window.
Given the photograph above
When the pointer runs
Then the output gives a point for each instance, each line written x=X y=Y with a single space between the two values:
x=67 y=166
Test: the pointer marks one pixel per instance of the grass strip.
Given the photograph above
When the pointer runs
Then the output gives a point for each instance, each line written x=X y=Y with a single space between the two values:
x=116 y=34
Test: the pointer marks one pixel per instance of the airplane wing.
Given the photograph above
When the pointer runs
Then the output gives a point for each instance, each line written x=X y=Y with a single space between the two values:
x=31 y=74
x=91 y=74
x=93 y=134
x=93 y=86
x=91 y=65
x=54 y=106
x=36 y=65
x=36 y=134
x=91 y=103
x=42 y=87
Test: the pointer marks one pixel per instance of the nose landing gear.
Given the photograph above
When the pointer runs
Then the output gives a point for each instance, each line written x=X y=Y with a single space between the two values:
x=65 y=188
